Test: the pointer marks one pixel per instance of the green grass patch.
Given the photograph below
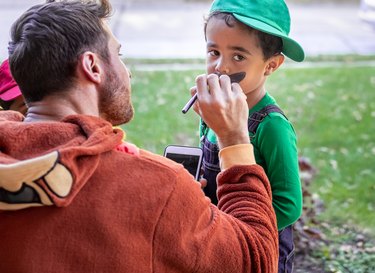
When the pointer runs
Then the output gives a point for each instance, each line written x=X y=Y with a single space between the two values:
x=332 y=109
x=158 y=97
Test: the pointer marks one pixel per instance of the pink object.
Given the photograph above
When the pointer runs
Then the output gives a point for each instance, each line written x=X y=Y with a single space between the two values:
x=9 y=89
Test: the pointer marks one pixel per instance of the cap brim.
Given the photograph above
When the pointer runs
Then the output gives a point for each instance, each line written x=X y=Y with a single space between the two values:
x=11 y=94
x=290 y=47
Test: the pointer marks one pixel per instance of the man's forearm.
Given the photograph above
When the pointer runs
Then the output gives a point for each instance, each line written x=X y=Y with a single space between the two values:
x=249 y=201
x=244 y=192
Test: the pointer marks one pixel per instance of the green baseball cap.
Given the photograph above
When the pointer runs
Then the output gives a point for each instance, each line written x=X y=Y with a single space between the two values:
x=269 y=16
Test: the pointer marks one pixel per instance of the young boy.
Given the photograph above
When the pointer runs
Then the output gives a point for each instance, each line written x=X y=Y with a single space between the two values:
x=10 y=94
x=252 y=37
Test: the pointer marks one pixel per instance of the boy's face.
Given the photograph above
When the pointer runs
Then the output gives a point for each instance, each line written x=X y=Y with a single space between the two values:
x=236 y=49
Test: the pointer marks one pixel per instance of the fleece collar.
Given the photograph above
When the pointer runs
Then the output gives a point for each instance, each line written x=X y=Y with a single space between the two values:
x=44 y=164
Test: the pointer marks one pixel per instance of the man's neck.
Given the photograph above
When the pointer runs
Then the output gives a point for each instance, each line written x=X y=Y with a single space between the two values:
x=56 y=108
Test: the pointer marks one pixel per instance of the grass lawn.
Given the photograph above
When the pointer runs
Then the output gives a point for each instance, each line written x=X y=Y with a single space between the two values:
x=331 y=106
x=333 y=110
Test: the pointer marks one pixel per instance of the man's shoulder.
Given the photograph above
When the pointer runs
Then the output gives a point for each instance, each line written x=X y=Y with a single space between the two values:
x=147 y=163
x=161 y=163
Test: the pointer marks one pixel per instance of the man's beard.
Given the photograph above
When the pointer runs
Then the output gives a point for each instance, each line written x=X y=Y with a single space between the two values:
x=114 y=100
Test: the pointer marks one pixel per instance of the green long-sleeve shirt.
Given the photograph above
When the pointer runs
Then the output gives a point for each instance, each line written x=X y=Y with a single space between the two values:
x=275 y=149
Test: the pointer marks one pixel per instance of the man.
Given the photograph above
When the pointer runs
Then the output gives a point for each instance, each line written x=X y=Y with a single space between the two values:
x=10 y=95
x=75 y=198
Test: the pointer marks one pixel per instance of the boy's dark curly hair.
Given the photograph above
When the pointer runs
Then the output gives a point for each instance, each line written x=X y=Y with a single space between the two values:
x=271 y=45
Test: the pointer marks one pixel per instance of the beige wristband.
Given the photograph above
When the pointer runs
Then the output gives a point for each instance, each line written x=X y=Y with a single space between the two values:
x=241 y=154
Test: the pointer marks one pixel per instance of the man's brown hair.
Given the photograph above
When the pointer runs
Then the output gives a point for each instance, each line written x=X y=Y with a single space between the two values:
x=48 y=39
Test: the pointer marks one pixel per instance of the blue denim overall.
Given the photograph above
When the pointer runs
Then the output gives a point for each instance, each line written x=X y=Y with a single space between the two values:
x=211 y=168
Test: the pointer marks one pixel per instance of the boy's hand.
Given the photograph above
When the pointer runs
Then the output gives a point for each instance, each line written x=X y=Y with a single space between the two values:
x=223 y=107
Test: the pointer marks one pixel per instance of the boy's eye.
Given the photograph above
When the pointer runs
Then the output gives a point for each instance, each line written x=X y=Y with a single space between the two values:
x=213 y=53
x=238 y=57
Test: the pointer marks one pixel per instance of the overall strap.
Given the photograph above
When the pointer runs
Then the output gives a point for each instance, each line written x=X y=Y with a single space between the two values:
x=257 y=117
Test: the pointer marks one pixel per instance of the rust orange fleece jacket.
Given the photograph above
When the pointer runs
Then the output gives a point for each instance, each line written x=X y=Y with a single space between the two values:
x=70 y=201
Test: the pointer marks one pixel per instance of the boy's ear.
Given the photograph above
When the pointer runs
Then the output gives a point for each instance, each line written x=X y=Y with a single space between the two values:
x=91 y=66
x=274 y=63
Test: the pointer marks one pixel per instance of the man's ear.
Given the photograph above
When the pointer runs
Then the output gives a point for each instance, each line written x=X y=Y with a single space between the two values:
x=91 y=66
x=274 y=63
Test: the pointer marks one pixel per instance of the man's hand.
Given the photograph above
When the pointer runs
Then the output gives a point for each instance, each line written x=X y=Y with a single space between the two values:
x=222 y=105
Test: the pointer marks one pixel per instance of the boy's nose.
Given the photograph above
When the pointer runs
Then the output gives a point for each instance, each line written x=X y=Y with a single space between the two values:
x=222 y=67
